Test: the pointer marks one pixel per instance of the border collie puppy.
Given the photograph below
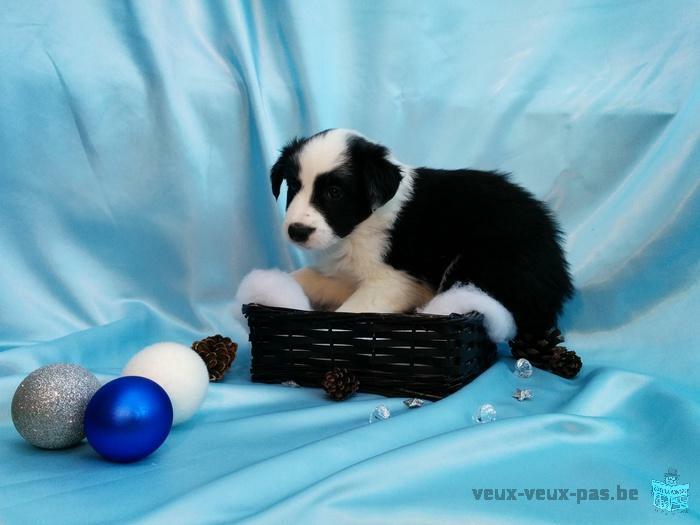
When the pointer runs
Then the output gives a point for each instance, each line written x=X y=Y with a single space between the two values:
x=392 y=237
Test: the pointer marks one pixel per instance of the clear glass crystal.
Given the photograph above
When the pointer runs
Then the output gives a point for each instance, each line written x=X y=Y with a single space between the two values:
x=414 y=402
x=523 y=368
x=485 y=414
x=291 y=384
x=380 y=413
x=522 y=394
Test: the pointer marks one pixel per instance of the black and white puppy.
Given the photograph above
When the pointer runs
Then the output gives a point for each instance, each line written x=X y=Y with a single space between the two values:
x=393 y=236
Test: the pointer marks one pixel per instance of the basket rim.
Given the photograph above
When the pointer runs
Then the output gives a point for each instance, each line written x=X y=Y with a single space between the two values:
x=368 y=316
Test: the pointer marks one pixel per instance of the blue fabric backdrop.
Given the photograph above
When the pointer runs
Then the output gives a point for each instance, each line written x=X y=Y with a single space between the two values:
x=135 y=141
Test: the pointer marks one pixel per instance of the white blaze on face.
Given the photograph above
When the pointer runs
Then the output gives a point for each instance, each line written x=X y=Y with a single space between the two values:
x=320 y=155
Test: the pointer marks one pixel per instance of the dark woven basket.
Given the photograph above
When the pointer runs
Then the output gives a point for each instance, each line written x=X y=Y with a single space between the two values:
x=416 y=355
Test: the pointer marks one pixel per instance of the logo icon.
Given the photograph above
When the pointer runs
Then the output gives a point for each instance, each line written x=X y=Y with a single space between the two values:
x=668 y=495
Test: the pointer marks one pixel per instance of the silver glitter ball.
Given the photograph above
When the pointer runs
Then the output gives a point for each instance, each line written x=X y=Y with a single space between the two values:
x=380 y=413
x=485 y=414
x=523 y=368
x=522 y=394
x=49 y=405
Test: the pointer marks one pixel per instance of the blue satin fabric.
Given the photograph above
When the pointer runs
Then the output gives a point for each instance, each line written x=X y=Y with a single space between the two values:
x=135 y=140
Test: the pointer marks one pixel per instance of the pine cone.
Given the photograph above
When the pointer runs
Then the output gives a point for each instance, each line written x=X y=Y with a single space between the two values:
x=544 y=352
x=340 y=383
x=565 y=363
x=218 y=354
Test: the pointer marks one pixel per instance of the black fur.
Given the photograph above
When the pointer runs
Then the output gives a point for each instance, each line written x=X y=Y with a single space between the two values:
x=368 y=162
x=478 y=227
x=350 y=209
x=459 y=226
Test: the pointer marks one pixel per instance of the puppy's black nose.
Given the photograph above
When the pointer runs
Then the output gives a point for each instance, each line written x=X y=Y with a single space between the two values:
x=299 y=232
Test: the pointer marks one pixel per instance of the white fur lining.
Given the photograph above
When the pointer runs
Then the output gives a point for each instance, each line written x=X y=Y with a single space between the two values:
x=278 y=288
x=272 y=288
x=461 y=299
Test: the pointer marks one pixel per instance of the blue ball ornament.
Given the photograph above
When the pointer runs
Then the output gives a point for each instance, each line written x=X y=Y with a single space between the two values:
x=128 y=419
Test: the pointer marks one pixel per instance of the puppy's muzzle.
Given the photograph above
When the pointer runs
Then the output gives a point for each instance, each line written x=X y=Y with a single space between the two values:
x=300 y=232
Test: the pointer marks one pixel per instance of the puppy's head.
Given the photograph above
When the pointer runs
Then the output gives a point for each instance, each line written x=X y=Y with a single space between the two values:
x=335 y=180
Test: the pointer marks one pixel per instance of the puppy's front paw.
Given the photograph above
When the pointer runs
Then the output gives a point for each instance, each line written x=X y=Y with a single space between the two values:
x=345 y=308
x=367 y=305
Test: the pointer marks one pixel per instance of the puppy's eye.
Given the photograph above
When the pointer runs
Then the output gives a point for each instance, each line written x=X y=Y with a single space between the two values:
x=293 y=186
x=334 y=193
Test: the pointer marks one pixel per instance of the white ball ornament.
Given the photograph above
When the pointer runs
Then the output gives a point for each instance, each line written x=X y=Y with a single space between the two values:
x=179 y=370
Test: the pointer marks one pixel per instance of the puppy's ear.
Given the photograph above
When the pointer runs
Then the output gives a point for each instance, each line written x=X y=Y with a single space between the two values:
x=287 y=165
x=276 y=177
x=382 y=177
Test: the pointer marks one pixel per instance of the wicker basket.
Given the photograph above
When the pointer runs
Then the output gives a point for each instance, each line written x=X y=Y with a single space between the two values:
x=416 y=355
